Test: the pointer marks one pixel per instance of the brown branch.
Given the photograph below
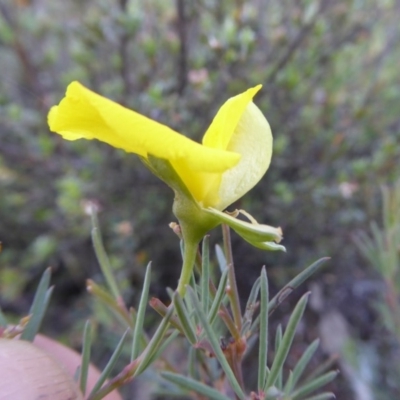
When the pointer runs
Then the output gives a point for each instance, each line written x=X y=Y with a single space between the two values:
x=30 y=70
x=123 y=49
x=294 y=46
x=182 y=57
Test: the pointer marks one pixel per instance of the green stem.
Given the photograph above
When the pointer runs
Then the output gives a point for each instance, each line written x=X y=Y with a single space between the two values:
x=189 y=257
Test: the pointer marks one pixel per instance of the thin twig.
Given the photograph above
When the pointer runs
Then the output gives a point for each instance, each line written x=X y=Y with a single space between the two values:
x=182 y=57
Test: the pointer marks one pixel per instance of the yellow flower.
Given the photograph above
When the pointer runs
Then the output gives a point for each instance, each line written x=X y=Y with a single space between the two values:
x=234 y=155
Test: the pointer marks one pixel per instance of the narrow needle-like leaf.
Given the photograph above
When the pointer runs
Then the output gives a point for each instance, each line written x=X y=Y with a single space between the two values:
x=193 y=385
x=251 y=306
x=286 y=342
x=205 y=274
x=108 y=368
x=215 y=345
x=322 y=396
x=220 y=258
x=289 y=288
x=263 y=349
x=86 y=345
x=110 y=302
x=295 y=282
x=157 y=354
x=278 y=340
x=155 y=342
x=138 y=329
x=301 y=365
x=192 y=364
x=218 y=297
x=38 y=307
x=184 y=319
x=314 y=385
x=322 y=367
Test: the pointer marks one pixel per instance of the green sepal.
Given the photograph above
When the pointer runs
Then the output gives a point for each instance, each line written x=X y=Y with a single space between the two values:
x=268 y=246
x=262 y=236
x=194 y=221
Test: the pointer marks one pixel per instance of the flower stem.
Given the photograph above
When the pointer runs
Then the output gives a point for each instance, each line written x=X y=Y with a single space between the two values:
x=189 y=257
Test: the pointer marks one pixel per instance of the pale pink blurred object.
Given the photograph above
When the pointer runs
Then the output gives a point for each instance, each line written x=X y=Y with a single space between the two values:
x=42 y=370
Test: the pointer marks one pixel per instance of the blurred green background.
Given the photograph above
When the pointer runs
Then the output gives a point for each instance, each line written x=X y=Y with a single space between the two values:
x=331 y=92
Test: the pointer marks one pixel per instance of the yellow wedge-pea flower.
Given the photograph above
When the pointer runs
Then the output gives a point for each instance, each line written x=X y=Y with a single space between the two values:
x=234 y=155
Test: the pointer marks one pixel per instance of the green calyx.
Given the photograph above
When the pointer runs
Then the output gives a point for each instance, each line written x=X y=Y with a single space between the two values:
x=262 y=236
x=194 y=220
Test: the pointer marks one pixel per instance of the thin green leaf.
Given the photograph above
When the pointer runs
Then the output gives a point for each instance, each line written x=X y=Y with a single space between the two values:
x=220 y=258
x=301 y=365
x=215 y=345
x=322 y=396
x=295 y=282
x=38 y=307
x=138 y=329
x=86 y=345
x=155 y=342
x=170 y=292
x=286 y=342
x=321 y=368
x=193 y=385
x=250 y=307
x=278 y=341
x=185 y=319
x=218 y=297
x=143 y=337
x=193 y=369
x=157 y=354
x=289 y=385
x=102 y=257
x=162 y=310
x=289 y=288
x=263 y=346
x=118 y=312
x=109 y=367
x=205 y=274
x=314 y=385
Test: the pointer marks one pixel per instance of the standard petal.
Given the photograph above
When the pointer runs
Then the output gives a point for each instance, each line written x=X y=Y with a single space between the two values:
x=85 y=114
x=223 y=126
x=252 y=139
x=239 y=126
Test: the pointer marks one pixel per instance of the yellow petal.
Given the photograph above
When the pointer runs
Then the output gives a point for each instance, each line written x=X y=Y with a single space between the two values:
x=85 y=114
x=239 y=126
x=219 y=133
x=253 y=140
x=218 y=136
